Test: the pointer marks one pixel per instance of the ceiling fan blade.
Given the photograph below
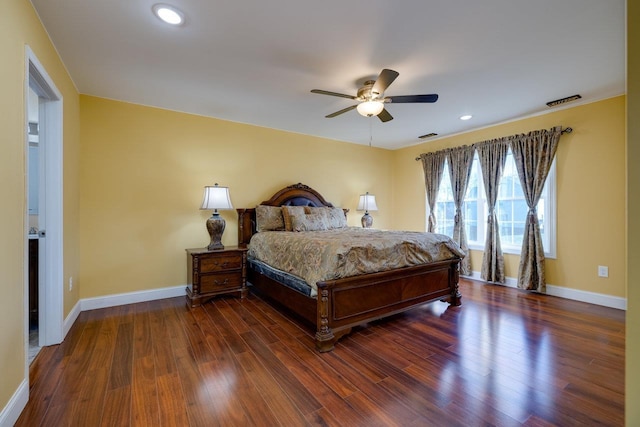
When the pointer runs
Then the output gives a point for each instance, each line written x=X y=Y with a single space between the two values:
x=344 y=110
x=412 y=98
x=383 y=81
x=384 y=116
x=326 y=92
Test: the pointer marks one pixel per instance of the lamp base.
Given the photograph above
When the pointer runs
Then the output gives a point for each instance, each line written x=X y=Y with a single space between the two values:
x=215 y=227
x=367 y=220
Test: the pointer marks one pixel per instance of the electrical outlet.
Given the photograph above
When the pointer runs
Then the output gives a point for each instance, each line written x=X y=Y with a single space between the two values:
x=70 y=283
x=603 y=271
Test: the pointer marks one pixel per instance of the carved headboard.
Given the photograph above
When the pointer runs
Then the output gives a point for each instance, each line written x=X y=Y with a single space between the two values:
x=293 y=195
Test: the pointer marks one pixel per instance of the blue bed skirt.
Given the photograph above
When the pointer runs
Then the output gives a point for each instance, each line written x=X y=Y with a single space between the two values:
x=289 y=280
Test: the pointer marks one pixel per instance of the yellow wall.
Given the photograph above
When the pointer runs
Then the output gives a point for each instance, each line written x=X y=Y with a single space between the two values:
x=632 y=376
x=590 y=193
x=19 y=26
x=131 y=208
x=144 y=169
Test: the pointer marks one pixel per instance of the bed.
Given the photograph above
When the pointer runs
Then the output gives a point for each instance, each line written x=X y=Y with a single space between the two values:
x=340 y=304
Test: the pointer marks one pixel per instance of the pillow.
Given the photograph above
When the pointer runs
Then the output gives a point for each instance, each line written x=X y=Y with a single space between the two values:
x=289 y=212
x=335 y=217
x=269 y=218
x=309 y=222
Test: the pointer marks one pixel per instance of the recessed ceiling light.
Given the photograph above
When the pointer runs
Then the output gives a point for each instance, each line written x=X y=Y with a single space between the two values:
x=466 y=117
x=168 y=14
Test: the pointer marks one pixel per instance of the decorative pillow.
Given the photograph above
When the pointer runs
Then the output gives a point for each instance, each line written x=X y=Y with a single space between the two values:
x=309 y=222
x=335 y=217
x=289 y=212
x=269 y=218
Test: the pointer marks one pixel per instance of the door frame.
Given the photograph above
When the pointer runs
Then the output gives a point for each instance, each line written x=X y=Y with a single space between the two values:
x=51 y=282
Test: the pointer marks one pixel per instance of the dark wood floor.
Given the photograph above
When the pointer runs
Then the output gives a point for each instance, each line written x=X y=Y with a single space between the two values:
x=504 y=358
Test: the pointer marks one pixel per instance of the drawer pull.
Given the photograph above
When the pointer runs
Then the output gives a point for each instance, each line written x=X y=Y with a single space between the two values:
x=218 y=283
x=223 y=265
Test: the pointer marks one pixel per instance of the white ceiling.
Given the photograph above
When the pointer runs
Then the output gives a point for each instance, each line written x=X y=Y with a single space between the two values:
x=255 y=61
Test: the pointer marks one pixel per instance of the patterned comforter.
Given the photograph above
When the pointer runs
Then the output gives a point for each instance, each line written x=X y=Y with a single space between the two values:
x=316 y=256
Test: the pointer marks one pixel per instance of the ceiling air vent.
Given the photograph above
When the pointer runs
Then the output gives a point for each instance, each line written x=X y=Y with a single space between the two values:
x=563 y=100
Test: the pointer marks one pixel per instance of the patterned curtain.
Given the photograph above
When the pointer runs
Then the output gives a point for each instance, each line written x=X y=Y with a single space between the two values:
x=433 y=164
x=492 y=155
x=460 y=162
x=533 y=154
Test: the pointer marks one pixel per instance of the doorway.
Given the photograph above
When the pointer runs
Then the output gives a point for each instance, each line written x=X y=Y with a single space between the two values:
x=43 y=158
x=35 y=171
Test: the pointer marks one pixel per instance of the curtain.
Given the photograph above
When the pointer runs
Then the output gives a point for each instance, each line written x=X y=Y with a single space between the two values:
x=533 y=154
x=433 y=164
x=460 y=162
x=492 y=155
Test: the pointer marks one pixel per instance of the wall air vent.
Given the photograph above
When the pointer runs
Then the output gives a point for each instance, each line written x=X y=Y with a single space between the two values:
x=563 y=100
x=429 y=135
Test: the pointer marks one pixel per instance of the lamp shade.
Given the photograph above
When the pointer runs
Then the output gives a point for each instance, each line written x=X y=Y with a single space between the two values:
x=216 y=197
x=367 y=203
x=370 y=108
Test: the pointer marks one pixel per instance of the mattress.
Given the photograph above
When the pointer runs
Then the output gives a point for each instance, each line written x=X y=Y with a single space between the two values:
x=314 y=256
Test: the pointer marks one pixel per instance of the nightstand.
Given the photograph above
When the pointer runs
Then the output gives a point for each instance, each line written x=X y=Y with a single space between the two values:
x=211 y=273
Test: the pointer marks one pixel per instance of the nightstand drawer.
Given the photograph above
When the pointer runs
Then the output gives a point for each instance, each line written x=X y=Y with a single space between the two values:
x=225 y=261
x=219 y=282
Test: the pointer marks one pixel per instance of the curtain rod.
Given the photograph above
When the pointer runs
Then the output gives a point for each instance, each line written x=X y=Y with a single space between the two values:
x=565 y=130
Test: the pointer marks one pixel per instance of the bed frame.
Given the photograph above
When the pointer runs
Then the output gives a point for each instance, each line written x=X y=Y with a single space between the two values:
x=344 y=303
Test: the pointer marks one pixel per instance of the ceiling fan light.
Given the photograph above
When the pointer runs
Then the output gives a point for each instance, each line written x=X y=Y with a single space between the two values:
x=370 y=108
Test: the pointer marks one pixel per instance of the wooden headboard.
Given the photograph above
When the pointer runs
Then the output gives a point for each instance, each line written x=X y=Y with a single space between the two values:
x=293 y=195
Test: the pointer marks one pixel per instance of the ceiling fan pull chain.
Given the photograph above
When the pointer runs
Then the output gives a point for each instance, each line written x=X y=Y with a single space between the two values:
x=370 y=130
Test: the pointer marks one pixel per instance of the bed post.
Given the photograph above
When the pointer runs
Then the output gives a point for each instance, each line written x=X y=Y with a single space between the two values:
x=325 y=340
x=454 y=277
x=245 y=225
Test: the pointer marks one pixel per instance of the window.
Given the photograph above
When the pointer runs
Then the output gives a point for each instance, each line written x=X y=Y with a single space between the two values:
x=511 y=209
x=445 y=209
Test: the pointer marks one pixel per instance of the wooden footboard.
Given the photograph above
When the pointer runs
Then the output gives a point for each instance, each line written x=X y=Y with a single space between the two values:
x=345 y=303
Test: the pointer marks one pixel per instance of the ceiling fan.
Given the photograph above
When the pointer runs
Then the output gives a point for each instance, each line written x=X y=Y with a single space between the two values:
x=371 y=97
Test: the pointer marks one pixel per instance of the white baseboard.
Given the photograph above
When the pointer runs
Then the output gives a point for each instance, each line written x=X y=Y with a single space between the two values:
x=16 y=404
x=131 y=297
x=568 y=293
x=70 y=319
x=590 y=297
